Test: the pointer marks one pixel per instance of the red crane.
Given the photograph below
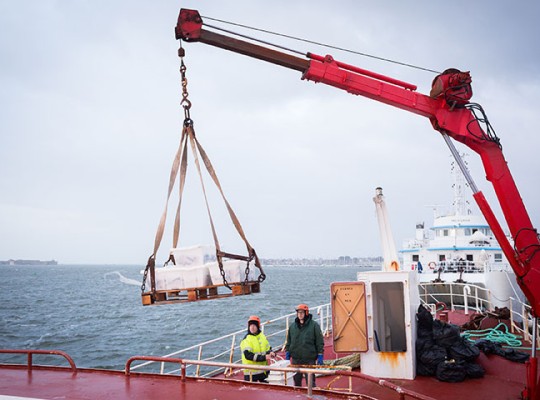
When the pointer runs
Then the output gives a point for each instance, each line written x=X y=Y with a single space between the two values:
x=450 y=113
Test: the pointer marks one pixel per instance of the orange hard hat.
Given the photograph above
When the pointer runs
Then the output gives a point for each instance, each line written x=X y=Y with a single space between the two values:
x=254 y=318
x=303 y=307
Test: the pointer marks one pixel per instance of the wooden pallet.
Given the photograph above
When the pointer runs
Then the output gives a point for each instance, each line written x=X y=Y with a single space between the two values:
x=200 y=293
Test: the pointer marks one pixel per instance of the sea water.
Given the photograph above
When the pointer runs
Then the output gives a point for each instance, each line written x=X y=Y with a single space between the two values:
x=94 y=313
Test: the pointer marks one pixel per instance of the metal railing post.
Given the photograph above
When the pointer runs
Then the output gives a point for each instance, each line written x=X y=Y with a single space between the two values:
x=328 y=319
x=525 y=322
x=231 y=355
x=198 y=370
x=466 y=293
x=511 y=307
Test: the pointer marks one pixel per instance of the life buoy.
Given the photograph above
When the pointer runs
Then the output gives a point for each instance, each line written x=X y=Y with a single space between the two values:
x=432 y=265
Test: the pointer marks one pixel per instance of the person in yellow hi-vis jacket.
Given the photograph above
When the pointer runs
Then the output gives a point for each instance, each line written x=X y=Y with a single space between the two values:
x=256 y=351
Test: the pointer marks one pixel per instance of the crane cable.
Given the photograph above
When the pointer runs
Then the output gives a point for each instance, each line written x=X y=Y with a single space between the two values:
x=306 y=41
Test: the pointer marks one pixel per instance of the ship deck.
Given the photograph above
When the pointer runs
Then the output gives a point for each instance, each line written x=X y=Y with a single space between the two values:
x=61 y=383
x=503 y=380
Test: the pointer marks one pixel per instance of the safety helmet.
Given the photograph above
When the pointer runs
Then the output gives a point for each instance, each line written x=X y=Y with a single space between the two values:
x=254 y=318
x=303 y=307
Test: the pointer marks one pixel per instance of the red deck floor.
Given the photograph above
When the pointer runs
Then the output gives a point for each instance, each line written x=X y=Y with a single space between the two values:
x=58 y=383
x=504 y=380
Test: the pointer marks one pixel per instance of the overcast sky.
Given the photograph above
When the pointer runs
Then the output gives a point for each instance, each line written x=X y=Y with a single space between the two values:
x=90 y=122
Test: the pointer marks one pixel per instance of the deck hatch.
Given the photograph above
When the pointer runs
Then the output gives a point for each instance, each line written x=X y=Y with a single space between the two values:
x=349 y=324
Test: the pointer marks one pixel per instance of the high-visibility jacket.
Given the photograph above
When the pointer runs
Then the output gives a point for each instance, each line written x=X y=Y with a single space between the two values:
x=259 y=346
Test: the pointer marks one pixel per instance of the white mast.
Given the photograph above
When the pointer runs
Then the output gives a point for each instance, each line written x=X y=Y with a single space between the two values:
x=460 y=204
x=390 y=258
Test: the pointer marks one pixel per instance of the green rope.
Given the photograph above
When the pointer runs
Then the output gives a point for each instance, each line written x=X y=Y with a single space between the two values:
x=494 y=335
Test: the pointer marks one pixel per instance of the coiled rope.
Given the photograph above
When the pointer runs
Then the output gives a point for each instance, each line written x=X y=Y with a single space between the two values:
x=494 y=335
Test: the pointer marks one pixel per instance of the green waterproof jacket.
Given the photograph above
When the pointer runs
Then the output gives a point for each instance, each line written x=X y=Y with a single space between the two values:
x=305 y=342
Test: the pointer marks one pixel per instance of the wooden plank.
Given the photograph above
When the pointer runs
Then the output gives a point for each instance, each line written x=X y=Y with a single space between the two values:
x=200 y=293
x=241 y=289
x=146 y=299
x=192 y=295
x=161 y=296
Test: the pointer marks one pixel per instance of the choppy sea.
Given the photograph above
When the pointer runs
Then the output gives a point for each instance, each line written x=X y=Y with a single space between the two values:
x=95 y=314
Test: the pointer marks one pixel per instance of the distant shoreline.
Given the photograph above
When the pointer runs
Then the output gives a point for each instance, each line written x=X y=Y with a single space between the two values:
x=28 y=262
x=345 y=261
x=322 y=262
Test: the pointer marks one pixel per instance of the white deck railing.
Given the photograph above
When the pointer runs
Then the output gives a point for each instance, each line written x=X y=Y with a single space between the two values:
x=476 y=299
x=226 y=348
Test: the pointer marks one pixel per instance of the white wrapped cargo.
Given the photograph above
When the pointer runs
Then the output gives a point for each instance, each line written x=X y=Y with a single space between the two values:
x=235 y=271
x=194 y=256
x=177 y=278
x=278 y=377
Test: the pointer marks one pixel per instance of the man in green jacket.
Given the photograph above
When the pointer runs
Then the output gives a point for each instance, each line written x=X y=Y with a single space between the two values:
x=305 y=343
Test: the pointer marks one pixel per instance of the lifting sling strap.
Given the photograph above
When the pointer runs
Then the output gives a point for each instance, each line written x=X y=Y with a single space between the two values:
x=252 y=255
x=181 y=154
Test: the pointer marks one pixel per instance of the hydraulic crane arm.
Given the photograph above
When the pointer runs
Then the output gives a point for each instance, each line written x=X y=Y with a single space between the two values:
x=447 y=109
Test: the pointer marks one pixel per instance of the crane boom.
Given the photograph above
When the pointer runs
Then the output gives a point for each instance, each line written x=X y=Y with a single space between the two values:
x=446 y=109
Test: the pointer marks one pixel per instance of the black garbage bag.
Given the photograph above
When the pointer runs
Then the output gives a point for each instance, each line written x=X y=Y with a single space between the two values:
x=462 y=349
x=433 y=355
x=515 y=355
x=425 y=319
x=489 y=347
x=445 y=334
x=423 y=343
x=428 y=356
x=425 y=370
x=473 y=370
x=451 y=371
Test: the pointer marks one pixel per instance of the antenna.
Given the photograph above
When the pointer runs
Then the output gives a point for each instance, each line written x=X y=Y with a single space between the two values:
x=435 y=208
x=461 y=205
